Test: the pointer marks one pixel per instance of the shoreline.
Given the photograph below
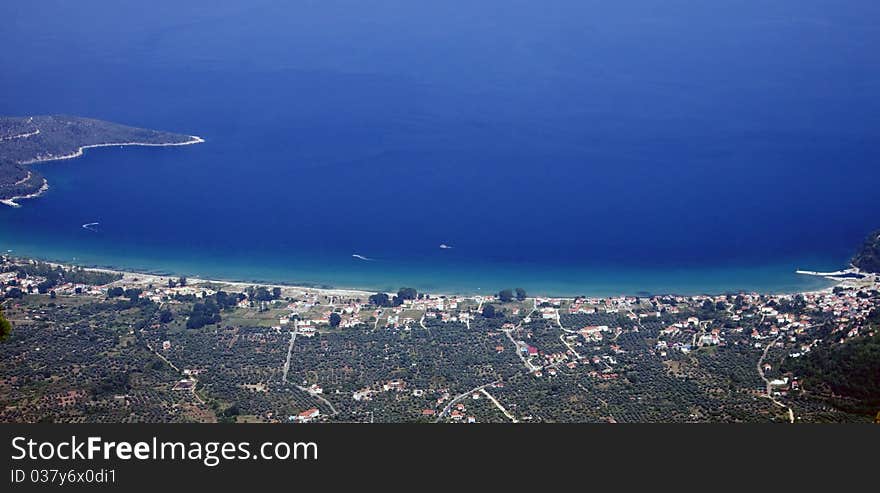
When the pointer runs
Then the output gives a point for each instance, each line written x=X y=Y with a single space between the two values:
x=154 y=277
x=143 y=276
x=194 y=139
x=11 y=201
x=21 y=136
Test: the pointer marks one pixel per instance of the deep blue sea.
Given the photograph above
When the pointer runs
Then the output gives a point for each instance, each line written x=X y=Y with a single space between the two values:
x=567 y=147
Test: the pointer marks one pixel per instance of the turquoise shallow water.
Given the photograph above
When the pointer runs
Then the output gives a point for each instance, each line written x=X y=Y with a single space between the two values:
x=576 y=149
x=431 y=272
x=561 y=282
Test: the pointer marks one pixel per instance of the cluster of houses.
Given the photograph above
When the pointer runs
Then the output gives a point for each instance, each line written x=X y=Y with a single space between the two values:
x=594 y=305
x=8 y=282
x=306 y=416
x=308 y=313
x=847 y=308
x=396 y=385
x=762 y=314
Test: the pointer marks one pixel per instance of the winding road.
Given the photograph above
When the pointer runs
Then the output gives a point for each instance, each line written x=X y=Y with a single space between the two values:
x=769 y=388
x=460 y=397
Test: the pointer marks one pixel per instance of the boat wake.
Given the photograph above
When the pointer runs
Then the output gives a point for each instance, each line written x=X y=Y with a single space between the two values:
x=361 y=257
x=91 y=226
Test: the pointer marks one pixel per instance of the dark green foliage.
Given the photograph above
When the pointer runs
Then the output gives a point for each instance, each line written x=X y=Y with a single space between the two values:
x=116 y=383
x=846 y=374
x=225 y=300
x=868 y=257
x=15 y=293
x=55 y=275
x=58 y=135
x=5 y=327
x=489 y=311
x=335 y=319
x=380 y=299
x=15 y=180
x=263 y=294
x=222 y=299
x=232 y=410
x=133 y=294
x=407 y=294
x=203 y=314
x=507 y=295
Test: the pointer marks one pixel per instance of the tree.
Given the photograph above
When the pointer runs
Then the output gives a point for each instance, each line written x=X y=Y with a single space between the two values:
x=262 y=294
x=165 y=316
x=133 y=294
x=489 y=311
x=335 y=319
x=15 y=293
x=181 y=281
x=276 y=293
x=226 y=300
x=379 y=299
x=407 y=294
x=520 y=294
x=5 y=327
x=203 y=314
x=505 y=295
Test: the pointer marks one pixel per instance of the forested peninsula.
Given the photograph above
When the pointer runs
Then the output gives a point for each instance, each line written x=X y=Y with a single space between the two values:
x=28 y=140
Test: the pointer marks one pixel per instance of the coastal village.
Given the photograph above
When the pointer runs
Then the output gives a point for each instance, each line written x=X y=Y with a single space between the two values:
x=503 y=342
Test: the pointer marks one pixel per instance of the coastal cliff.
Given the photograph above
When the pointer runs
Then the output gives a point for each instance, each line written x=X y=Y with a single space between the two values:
x=868 y=257
x=29 y=140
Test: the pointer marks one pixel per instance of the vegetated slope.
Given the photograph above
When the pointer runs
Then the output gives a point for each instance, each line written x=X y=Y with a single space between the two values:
x=868 y=256
x=26 y=140
x=846 y=375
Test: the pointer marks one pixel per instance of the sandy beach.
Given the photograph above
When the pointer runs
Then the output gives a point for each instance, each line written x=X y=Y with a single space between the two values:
x=130 y=278
x=140 y=278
